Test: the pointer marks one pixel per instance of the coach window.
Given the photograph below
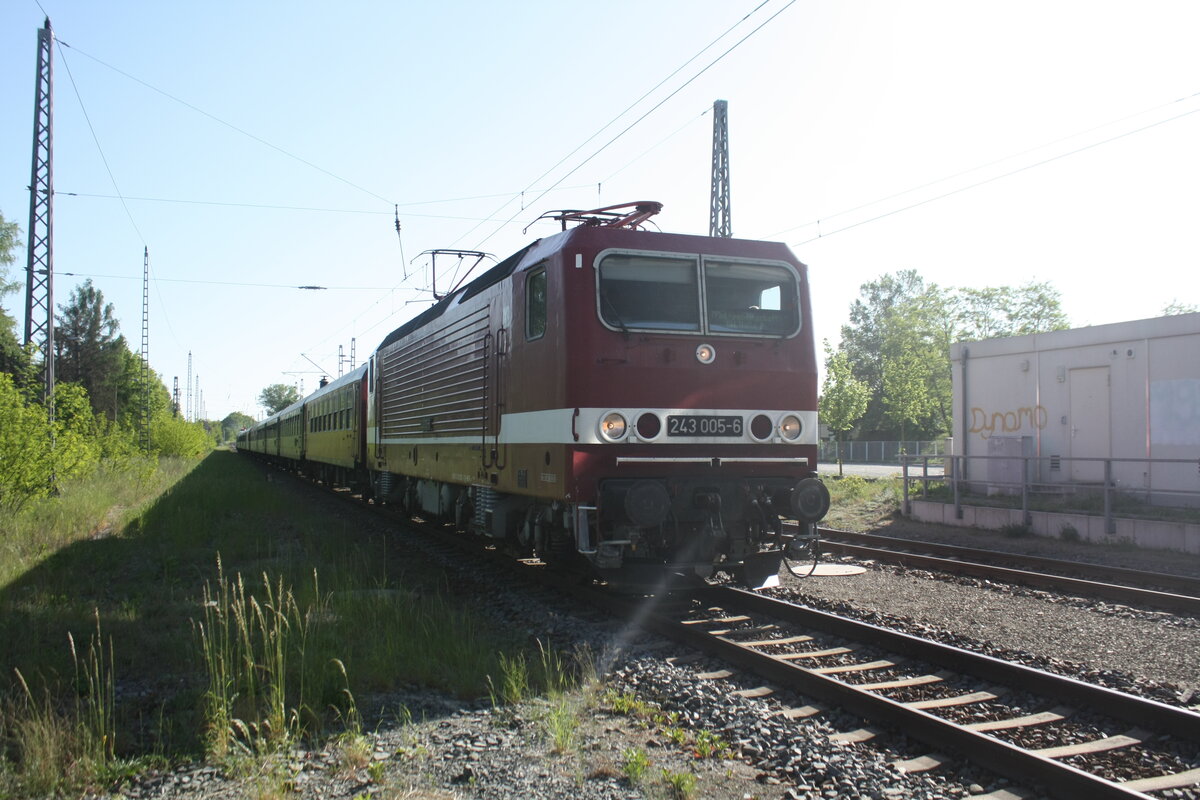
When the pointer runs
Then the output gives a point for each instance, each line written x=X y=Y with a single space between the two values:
x=535 y=305
x=649 y=292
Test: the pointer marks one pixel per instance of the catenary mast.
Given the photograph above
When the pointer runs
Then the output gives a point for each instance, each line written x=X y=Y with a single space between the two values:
x=39 y=282
x=720 y=218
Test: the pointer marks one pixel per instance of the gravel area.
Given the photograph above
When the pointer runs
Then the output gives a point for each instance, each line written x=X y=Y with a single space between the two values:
x=425 y=746
x=1153 y=645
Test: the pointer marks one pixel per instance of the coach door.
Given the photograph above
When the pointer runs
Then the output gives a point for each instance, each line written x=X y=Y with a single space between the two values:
x=1090 y=425
x=374 y=421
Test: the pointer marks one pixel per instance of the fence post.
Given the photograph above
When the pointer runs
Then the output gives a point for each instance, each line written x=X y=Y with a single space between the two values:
x=904 y=480
x=955 y=470
x=1110 y=524
x=1026 y=517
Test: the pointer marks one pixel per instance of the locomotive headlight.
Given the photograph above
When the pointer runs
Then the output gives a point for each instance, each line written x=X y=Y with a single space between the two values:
x=706 y=353
x=790 y=427
x=613 y=426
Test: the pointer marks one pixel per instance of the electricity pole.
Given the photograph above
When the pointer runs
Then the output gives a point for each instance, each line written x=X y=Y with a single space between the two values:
x=39 y=270
x=720 y=217
x=146 y=350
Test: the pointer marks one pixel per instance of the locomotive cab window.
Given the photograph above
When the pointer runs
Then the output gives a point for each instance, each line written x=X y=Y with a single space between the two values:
x=653 y=292
x=535 y=305
x=645 y=291
x=750 y=298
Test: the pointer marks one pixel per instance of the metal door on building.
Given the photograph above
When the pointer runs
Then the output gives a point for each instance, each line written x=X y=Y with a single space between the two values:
x=1090 y=424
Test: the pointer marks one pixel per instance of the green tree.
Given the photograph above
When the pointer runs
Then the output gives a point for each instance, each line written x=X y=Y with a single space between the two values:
x=899 y=336
x=91 y=351
x=900 y=320
x=14 y=359
x=996 y=311
x=844 y=397
x=233 y=423
x=906 y=396
x=277 y=397
x=1176 y=307
x=1037 y=308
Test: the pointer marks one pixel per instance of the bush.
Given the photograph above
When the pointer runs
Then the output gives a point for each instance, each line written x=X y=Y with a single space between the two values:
x=25 y=466
x=1068 y=533
x=171 y=436
x=1015 y=530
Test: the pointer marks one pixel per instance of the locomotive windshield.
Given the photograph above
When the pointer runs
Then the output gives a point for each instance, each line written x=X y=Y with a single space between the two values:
x=652 y=292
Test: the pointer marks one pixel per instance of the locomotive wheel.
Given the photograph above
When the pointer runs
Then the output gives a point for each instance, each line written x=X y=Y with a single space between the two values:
x=558 y=548
x=802 y=552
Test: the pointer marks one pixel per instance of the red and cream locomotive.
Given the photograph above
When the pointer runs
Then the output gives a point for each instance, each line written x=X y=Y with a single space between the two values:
x=638 y=404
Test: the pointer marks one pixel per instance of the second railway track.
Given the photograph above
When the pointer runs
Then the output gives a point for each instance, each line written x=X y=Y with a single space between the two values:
x=1178 y=593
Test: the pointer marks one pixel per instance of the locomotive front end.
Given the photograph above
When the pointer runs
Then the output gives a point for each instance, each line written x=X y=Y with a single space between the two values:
x=696 y=424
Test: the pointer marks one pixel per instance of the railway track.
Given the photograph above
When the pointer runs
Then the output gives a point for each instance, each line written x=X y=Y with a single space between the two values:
x=1177 y=593
x=1065 y=737
x=951 y=699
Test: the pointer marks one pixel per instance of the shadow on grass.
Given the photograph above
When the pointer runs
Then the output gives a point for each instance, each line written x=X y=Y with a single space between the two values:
x=146 y=586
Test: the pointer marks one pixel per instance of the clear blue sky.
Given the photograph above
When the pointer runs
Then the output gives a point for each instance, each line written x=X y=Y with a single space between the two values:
x=453 y=110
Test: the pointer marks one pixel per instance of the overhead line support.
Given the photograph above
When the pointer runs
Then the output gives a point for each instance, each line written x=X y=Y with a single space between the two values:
x=39 y=270
x=720 y=217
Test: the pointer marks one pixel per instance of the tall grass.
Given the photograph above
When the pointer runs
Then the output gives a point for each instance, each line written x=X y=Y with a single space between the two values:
x=223 y=664
x=61 y=746
x=83 y=509
x=564 y=689
x=254 y=653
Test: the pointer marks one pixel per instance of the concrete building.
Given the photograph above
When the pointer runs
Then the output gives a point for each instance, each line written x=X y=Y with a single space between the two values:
x=1123 y=397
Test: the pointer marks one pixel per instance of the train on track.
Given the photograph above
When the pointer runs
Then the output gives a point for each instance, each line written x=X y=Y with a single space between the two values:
x=633 y=404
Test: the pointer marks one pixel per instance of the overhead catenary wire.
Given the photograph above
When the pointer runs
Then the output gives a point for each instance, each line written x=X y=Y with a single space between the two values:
x=611 y=122
x=707 y=110
x=317 y=209
x=652 y=109
x=230 y=125
x=611 y=141
x=233 y=283
x=96 y=139
x=991 y=163
x=994 y=178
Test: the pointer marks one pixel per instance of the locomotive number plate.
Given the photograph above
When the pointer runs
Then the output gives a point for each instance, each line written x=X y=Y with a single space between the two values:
x=704 y=426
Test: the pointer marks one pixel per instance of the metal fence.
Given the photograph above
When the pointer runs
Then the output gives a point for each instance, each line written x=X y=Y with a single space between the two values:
x=1160 y=482
x=877 y=452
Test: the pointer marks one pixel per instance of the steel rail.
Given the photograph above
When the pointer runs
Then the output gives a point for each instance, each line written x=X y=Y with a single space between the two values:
x=950 y=561
x=1019 y=764
x=1137 y=710
x=1181 y=584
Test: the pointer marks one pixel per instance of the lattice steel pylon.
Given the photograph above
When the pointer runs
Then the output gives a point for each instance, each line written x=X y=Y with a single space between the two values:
x=39 y=270
x=145 y=432
x=720 y=217
x=187 y=417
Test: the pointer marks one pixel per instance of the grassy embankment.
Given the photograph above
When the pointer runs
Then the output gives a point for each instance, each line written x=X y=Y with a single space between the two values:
x=213 y=613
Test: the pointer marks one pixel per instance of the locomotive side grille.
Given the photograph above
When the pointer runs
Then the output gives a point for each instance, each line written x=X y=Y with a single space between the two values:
x=438 y=384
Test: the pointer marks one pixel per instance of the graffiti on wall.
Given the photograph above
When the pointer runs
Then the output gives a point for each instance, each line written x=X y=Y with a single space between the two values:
x=1015 y=421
